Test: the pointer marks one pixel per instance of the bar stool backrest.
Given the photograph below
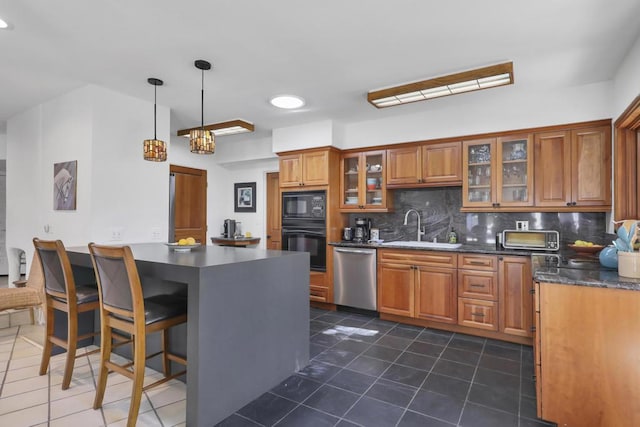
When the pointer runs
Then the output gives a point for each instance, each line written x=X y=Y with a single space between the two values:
x=118 y=279
x=56 y=268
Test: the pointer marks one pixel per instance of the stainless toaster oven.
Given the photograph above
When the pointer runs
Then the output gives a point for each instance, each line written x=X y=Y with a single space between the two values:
x=543 y=240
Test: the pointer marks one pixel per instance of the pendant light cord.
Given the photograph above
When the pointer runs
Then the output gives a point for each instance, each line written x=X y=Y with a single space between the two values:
x=155 y=99
x=202 y=103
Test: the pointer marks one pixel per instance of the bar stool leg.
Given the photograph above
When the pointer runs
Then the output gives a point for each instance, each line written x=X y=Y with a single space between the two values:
x=72 y=343
x=46 y=351
x=105 y=355
x=139 y=360
x=166 y=364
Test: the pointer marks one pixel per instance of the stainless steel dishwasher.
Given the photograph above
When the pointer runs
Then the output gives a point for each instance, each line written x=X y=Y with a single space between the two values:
x=354 y=277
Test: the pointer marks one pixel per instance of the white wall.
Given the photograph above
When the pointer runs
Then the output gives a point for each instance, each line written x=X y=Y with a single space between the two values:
x=103 y=131
x=626 y=84
x=310 y=135
x=23 y=178
x=3 y=144
x=128 y=193
x=491 y=110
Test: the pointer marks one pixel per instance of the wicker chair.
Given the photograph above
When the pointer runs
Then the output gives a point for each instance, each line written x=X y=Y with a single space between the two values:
x=27 y=293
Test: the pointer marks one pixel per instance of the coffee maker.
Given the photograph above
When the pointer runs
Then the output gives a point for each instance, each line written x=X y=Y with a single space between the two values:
x=229 y=228
x=363 y=230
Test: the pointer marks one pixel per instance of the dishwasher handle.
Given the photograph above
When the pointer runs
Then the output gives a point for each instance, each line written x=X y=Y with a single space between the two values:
x=357 y=251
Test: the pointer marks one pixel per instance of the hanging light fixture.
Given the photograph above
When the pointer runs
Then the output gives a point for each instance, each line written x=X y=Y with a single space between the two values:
x=155 y=150
x=202 y=140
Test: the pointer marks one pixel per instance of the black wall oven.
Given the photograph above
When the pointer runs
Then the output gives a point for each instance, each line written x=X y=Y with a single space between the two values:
x=304 y=226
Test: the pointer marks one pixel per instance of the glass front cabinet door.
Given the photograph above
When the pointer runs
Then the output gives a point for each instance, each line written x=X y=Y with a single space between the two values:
x=478 y=180
x=498 y=172
x=363 y=183
x=515 y=171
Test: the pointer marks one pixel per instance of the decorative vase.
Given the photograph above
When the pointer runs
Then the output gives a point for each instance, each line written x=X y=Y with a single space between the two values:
x=609 y=257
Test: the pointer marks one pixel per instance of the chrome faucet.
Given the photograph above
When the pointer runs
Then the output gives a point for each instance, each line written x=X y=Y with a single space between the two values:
x=420 y=232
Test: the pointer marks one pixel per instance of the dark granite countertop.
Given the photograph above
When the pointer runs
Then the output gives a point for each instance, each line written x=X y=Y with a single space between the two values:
x=465 y=248
x=602 y=278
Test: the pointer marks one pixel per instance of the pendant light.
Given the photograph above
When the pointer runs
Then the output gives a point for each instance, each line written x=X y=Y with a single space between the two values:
x=155 y=150
x=202 y=140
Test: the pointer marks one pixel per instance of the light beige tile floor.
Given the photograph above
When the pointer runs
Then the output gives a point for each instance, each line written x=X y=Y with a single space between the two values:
x=28 y=399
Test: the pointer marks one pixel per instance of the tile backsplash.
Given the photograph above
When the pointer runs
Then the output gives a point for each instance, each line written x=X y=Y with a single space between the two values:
x=440 y=210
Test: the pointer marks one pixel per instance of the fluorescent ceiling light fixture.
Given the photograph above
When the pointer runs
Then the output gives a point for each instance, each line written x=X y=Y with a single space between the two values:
x=466 y=81
x=288 y=102
x=224 y=128
x=3 y=24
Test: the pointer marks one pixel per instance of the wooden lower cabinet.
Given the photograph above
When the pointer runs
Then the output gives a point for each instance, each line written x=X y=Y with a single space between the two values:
x=420 y=284
x=396 y=289
x=477 y=313
x=516 y=304
x=588 y=344
x=319 y=291
x=471 y=293
x=436 y=294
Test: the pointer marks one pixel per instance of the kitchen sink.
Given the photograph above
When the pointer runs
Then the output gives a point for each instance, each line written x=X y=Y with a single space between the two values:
x=416 y=244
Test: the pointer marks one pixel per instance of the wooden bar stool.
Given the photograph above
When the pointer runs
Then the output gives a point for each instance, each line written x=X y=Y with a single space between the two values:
x=123 y=308
x=61 y=293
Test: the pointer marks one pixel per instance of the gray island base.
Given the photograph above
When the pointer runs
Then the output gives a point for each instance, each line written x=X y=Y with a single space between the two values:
x=248 y=319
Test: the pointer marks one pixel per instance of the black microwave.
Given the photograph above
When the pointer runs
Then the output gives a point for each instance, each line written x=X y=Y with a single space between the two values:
x=304 y=205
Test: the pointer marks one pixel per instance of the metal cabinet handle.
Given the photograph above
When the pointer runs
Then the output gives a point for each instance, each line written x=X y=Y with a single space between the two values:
x=478 y=314
x=473 y=285
x=532 y=329
x=477 y=263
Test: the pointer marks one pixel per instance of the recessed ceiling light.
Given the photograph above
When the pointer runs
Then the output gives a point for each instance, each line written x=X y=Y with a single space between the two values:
x=3 y=24
x=288 y=102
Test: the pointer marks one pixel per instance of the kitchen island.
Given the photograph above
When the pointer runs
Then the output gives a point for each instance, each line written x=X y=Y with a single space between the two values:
x=587 y=347
x=247 y=323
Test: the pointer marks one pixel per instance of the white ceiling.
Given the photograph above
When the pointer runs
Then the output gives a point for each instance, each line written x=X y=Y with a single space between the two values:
x=331 y=52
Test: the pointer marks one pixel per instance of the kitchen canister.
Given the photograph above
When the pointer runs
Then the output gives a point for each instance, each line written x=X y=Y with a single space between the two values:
x=375 y=234
x=629 y=264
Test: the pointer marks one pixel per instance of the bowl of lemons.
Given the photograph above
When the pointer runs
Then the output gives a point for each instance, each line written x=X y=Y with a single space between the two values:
x=183 y=245
x=585 y=247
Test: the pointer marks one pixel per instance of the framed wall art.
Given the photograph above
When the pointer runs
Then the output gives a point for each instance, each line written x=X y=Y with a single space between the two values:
x=245 y=197
x=65 y=176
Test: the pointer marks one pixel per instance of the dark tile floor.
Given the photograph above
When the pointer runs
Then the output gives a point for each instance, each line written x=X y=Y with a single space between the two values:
x=368 y=372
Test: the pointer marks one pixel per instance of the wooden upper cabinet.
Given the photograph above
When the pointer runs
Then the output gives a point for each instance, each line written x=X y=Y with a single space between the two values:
x=553 y=168
x=514 y=177
x=591 y=174
x=573 y=168
x=425 y=165
x=308 y=168
x=404 y=166
x=442 y=163
x=362 y=182
x=479 y=172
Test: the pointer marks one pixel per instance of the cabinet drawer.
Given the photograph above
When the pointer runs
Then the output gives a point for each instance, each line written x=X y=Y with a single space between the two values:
x=478 y=284
x=478 y=262
x=478 y=313
x=317 y=293
x=417 y=257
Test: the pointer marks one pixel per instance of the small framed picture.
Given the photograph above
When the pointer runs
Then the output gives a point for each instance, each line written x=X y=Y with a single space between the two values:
x=245 y=197
x=64 y=185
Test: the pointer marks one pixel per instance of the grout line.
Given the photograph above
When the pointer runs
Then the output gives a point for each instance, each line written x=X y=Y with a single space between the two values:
x=6 y=372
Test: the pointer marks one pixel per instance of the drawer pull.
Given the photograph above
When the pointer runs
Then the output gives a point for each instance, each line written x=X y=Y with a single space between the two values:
x=474 y=285
x=532 y=329
x=477 y=263
x=478 y=314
